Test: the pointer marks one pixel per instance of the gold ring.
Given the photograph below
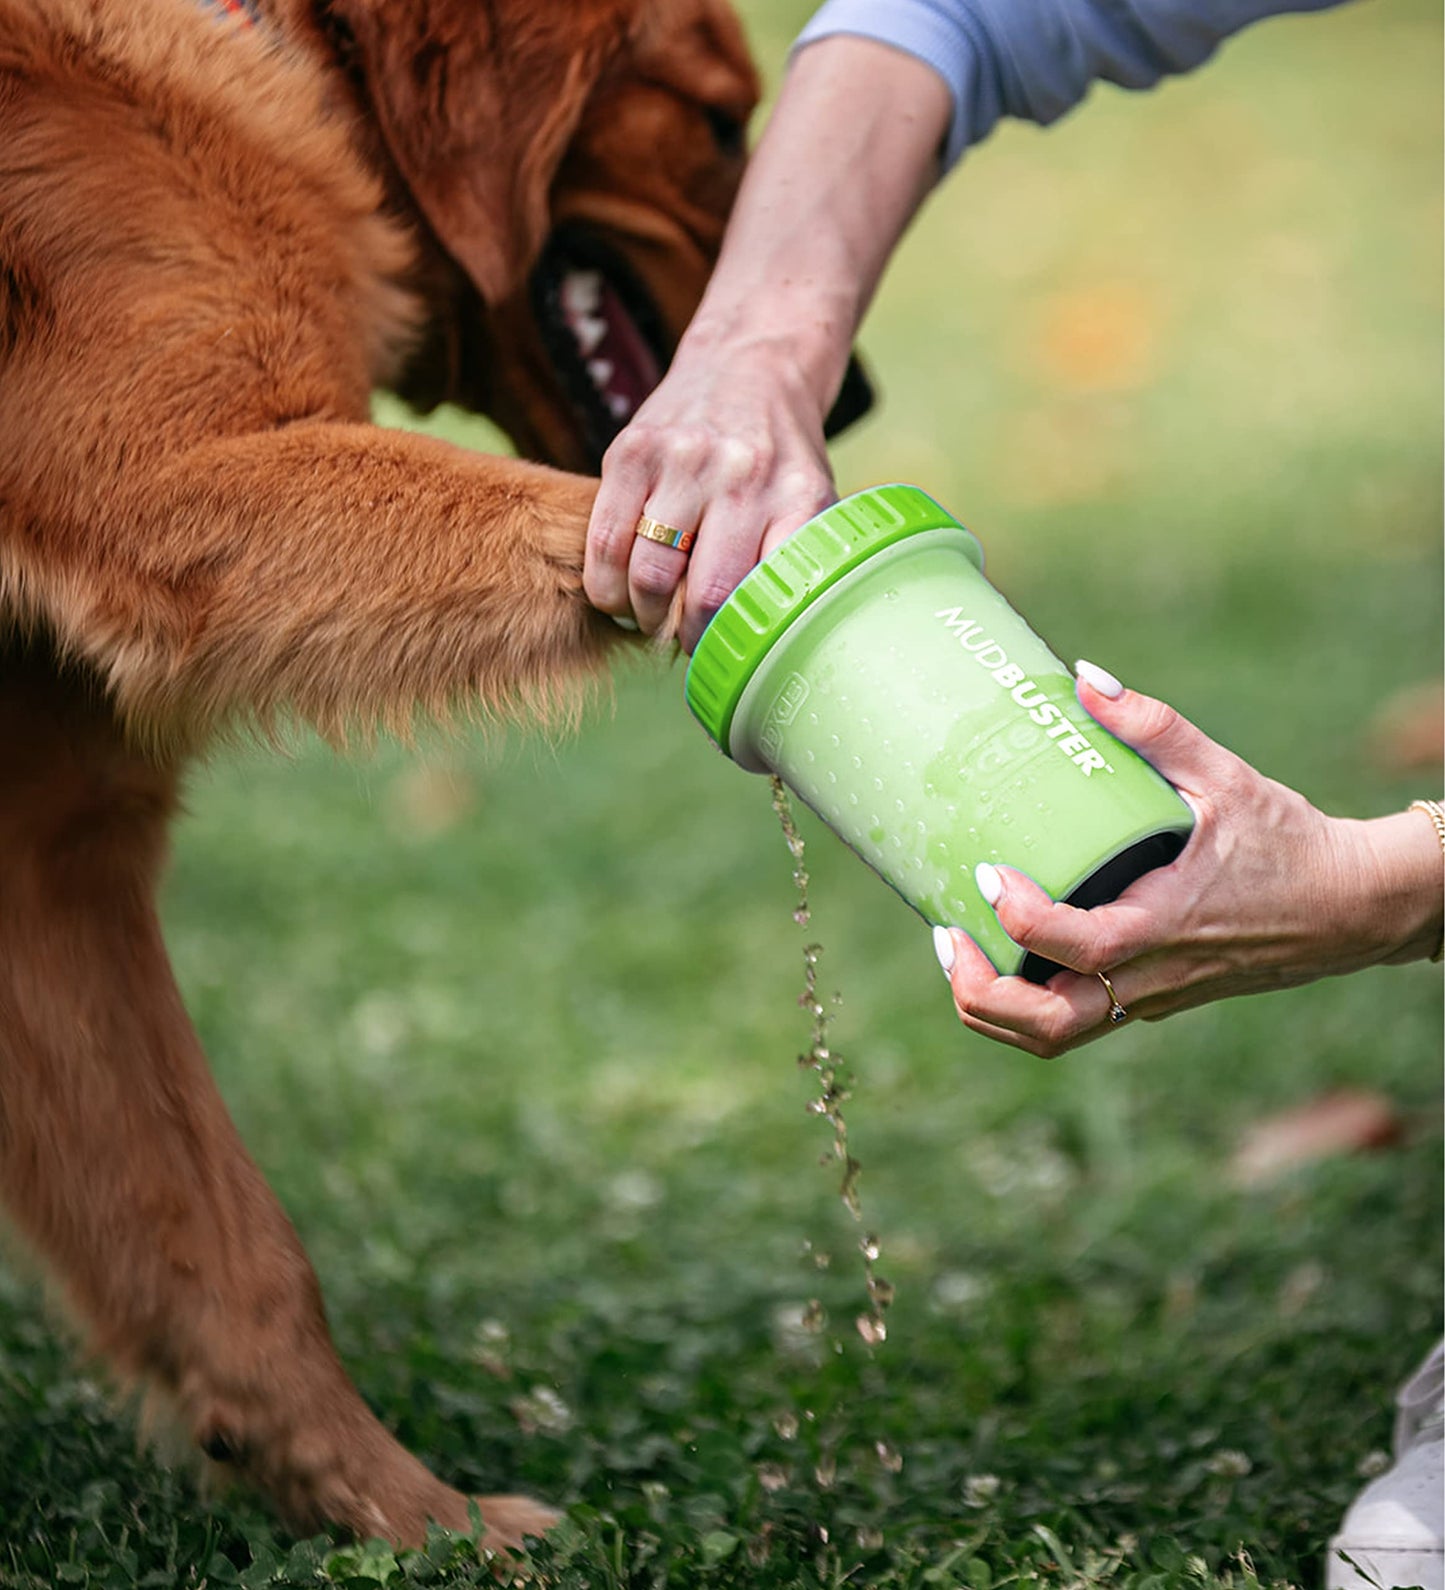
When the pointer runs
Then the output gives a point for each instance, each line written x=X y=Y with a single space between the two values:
x=1117 y=1013
x=664 y=534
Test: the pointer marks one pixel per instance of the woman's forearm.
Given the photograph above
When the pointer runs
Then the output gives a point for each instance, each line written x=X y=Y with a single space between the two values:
x=848 y=157
x=730 y=445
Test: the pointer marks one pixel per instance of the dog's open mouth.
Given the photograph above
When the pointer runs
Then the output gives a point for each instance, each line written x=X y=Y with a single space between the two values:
x=602 y=334
x=608 y=346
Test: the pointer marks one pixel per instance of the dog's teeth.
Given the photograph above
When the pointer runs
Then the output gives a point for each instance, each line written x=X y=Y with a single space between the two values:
x=619 y=405
x=601 y=371
x=581 y=292
x=589 y=330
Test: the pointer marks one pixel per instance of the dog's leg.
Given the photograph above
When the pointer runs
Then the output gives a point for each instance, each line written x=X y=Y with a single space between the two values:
x=346 y=573
x=120 y=1165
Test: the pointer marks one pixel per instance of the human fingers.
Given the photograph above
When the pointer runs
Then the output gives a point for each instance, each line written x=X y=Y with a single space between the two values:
x=1043 y=1019
x=627 y=479
x=1196 y=765
x=739 y=486
x=662 y=544
x=1084 y=941
x=739 y=530
x=646 y=520
x=763 y=472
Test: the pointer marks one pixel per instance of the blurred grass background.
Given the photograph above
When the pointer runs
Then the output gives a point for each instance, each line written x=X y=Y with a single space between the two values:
x=511 y=1025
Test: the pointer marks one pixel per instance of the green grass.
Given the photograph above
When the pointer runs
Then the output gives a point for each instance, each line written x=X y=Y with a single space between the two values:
x=527 y=1084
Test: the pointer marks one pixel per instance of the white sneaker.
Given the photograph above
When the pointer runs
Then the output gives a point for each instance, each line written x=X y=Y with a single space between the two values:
x=1394 y=1532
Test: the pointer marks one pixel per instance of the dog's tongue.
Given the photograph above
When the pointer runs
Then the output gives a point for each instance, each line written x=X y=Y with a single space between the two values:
x=614 y=352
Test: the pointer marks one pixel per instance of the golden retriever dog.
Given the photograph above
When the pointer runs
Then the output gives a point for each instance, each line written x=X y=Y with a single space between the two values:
x=223 y=223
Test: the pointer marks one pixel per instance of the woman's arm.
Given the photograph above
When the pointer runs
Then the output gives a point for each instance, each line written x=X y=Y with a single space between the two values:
x=731 y=444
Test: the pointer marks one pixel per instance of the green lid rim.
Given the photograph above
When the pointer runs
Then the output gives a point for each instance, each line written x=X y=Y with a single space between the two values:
x=790 y=579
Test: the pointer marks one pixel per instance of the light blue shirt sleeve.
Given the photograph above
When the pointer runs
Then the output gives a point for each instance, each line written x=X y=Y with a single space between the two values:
x=1035 y=59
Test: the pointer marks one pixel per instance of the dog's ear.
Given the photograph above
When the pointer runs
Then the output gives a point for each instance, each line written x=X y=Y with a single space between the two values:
x=476 y=104
x=705 y=59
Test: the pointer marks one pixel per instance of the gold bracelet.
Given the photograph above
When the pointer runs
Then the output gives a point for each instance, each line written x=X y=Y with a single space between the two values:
x=1436 y=813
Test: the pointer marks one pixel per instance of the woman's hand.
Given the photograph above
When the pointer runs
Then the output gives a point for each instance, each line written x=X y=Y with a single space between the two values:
x=1268 y=893
x=731 y=447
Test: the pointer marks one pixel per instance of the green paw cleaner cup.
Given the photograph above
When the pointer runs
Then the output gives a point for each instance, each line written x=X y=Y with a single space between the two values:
x=869 y=663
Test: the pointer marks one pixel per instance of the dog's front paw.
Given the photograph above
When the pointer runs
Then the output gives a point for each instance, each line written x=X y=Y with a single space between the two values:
x=402 y=1514
x=405 y=1513
x=510 y=1519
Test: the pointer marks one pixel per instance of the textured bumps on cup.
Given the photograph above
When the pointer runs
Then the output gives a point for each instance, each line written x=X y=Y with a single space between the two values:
x=869 y=663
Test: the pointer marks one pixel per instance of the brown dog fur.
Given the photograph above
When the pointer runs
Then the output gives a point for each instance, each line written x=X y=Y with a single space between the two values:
x=215 y=241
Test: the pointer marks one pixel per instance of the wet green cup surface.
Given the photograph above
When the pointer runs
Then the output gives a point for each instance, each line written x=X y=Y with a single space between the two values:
x=869 y=663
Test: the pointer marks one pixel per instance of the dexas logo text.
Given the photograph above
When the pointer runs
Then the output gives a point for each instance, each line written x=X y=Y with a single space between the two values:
x=991 y=657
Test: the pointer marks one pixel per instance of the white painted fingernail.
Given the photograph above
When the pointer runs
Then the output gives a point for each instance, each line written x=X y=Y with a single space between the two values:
x=943 y=949
x=624 y=622
x=1099 y=679
x=990 y=882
